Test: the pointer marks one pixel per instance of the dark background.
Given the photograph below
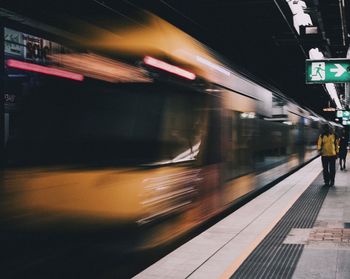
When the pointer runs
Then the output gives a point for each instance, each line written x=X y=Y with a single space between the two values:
x=256 y=36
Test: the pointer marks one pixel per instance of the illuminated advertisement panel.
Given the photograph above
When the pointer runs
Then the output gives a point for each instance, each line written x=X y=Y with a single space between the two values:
x=28 y=47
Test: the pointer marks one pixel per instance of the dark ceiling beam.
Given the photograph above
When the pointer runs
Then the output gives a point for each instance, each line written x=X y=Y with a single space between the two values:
x=336 y=15
x=282 y=7
x=315 y=13
x=343 y=21
x=231 y=3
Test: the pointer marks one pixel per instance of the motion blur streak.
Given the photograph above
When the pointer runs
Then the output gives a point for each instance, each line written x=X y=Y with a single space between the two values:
x=98 y=67
x=43 y=70
x=213 y=66
x=133 y=157
x=158 y=37
x=168 y=67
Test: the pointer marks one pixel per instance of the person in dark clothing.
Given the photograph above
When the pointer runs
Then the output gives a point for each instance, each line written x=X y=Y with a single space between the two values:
x=343 y=150
x=327 y=144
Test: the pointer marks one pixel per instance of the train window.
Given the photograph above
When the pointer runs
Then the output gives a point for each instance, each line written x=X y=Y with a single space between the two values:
x=272 y=147
x=58 y=121
x=240 y=140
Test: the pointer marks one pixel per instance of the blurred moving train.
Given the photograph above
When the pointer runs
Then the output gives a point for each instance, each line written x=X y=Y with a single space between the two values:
x=143 y=125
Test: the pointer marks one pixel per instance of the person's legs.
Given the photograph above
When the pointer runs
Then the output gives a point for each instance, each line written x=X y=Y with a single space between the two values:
x=325 y=169
x=332 y=160
x=341 y=162
x=344 y=158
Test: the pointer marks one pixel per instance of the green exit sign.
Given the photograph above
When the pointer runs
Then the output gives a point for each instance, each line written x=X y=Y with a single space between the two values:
x=327 y=71
x=343 y=113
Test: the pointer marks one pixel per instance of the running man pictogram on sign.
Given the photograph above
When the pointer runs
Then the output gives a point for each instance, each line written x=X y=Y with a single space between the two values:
x=318 y=71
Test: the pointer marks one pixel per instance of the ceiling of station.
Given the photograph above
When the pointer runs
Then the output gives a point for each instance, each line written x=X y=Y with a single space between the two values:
x=259 y=36
x=335 y=19
x=256 y=36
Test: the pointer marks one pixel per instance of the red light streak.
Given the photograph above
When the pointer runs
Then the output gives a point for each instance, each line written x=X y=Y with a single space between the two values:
x=168 y=67
x=43 y=69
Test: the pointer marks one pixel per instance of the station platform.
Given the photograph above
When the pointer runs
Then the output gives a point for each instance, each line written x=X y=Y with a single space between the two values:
x=297 y=229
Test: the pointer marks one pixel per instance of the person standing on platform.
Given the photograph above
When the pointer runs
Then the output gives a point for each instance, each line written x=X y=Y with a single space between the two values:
x=343 y=150
x=328 y=146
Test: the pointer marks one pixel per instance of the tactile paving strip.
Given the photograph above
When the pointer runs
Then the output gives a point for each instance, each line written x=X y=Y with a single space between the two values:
x=273 y=259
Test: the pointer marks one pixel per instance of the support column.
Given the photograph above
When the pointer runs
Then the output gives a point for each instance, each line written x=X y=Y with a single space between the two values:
x=2 y=97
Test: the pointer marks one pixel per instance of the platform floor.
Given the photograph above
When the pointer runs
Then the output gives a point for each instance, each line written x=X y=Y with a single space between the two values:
x=226 y=249
x=326 y=253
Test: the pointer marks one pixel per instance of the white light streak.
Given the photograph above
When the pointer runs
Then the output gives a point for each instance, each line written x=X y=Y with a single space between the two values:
x=213 y=65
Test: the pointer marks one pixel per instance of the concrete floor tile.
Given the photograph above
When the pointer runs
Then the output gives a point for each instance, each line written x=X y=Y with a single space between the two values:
x=317 y=263
x=343 y=265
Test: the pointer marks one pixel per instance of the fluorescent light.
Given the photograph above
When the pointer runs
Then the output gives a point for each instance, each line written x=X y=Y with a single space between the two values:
x=43 y=69
x=168 y=67
x=212 y=90
x=311 y=30
x=315 y=54
x=300 y=18
x=333 y=93
x=329 y=109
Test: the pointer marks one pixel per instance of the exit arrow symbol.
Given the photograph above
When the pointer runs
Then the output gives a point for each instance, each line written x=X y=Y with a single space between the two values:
x=339 y=70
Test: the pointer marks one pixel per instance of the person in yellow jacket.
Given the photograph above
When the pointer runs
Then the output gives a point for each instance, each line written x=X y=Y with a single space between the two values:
x=327 y=144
